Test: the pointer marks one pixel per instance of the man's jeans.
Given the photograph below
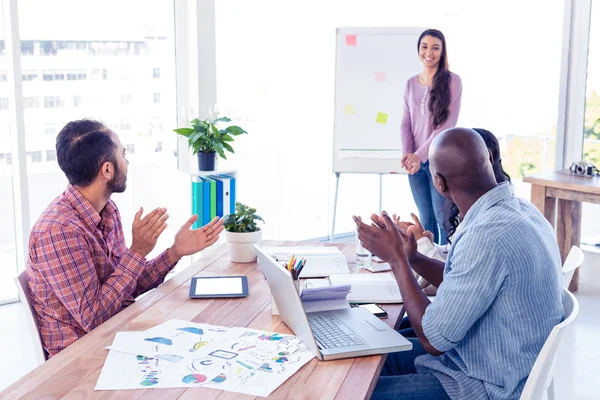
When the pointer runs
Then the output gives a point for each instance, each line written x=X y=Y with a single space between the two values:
x=399 y=378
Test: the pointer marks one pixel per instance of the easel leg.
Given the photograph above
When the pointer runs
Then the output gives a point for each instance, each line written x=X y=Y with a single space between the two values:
x=380 y=193
x=337 y=185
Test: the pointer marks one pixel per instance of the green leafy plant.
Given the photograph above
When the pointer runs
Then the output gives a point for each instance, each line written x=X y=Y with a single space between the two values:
x=244 y=219
x=205 y=137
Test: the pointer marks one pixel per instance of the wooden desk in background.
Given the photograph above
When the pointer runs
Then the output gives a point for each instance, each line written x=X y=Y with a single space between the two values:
x=570 y=190
x=74 y=371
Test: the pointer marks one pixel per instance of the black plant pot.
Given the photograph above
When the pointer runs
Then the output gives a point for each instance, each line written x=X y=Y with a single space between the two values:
x=206 y=161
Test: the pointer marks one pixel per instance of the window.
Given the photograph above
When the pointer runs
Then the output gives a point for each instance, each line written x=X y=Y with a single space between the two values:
x=29 y=76
x=124 y=126
x=156 y=98
x=50 y=130
x=158 y=147
x=3 y=103
x=31 y=102
x=591 y=135
x=34 y=156
x=27 y=47
x=5 y=159
x=126 y=99
x=591 y=139
x=77 y=101
x=50 y=155
x=91 y=66
x=112 y=48
x=53 y=76
x=53 y=102
x=48 y=48
x=3 y=77
x=156 y=73
x=100 y=74
x=76 y=76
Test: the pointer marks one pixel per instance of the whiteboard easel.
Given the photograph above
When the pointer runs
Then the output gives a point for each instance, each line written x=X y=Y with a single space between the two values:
x=372 y=67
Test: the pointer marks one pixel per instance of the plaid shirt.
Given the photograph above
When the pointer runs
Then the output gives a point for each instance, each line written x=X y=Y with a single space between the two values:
x=80 y=271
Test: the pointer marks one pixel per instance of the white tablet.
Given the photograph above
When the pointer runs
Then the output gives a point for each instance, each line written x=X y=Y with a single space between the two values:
x=219 y=286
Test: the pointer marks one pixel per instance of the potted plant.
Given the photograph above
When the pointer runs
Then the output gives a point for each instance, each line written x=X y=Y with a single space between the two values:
x=206 y=140
x=242 y=233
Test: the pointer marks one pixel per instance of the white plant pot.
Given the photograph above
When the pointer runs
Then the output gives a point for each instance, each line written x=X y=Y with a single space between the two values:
x=240 y=245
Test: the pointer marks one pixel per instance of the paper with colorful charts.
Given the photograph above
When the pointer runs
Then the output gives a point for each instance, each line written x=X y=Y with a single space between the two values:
x=175 y=340
x=233 y=359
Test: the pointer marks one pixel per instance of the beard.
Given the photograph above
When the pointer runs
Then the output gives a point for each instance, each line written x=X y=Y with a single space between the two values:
x=118 y=183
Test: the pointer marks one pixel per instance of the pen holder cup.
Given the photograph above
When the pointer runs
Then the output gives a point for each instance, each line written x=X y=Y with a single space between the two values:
x=274 y=309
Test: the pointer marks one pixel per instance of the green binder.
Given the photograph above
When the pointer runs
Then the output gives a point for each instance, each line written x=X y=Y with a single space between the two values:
x=213 y=197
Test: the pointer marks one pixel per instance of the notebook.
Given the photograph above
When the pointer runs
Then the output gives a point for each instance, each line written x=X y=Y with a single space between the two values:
x=325 y=298
x=320 y=261
x=368 y=288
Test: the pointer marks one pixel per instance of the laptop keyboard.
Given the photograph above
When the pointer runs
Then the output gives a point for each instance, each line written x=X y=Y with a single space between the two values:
x=331 y=332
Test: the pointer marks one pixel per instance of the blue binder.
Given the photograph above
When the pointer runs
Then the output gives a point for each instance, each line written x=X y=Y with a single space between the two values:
x=205 y=201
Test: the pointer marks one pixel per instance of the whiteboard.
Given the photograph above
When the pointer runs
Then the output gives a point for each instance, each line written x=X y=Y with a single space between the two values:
x=372 y=67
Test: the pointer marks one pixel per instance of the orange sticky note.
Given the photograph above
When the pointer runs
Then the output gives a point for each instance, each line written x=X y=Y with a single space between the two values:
x=350 y=40
x=380 y=77
x=381 y=118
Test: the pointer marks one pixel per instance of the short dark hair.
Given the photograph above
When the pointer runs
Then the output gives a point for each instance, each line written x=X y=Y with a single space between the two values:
x=81 y=148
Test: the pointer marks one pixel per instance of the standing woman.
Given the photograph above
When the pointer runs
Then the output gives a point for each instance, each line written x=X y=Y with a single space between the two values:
x=431 y=105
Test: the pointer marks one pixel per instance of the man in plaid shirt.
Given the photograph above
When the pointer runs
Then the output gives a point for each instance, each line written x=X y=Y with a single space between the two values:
x=80 y=271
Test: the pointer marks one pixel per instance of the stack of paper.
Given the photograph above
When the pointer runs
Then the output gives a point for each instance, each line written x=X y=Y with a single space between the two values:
x=320 y=261
x=370 y=288
x=185 y=354
x=325 y=298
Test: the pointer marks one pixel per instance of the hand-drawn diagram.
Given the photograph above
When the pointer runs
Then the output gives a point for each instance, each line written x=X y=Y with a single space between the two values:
x=190 y=329
x=233 y=359
x=174 y=340
x=160 y=340
x=258 y=368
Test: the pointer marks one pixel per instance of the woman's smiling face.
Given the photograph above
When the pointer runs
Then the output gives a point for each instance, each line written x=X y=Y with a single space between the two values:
x=430 y=51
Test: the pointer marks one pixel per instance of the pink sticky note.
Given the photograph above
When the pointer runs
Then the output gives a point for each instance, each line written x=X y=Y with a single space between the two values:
x=350 y=40
x=379 y=77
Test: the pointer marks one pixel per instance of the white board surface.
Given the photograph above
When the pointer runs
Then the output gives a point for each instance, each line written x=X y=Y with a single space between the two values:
x=372 y=67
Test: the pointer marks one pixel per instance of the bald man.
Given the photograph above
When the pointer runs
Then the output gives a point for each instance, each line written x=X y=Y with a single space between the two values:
x=500 y=291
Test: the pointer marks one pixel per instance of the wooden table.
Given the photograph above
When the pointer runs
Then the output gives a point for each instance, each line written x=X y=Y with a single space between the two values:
x=570 y=190
x=72 y=374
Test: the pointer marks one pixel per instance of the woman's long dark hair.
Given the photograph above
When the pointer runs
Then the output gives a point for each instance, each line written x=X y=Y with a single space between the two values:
x=452 y=216
x=439 y=98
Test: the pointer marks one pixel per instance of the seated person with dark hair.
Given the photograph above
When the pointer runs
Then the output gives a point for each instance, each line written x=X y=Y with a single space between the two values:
x=499 y=293
x=80 y=271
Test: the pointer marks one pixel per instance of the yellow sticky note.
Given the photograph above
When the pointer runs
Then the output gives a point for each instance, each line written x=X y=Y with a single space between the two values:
x=381 y=118
x=349 y=110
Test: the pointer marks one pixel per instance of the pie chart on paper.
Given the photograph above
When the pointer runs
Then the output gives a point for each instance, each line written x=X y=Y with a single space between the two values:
x=194 y=378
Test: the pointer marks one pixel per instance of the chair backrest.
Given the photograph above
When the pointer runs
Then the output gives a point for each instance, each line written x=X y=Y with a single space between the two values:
x=542 y=373
x=23 y=290
x=573 y=261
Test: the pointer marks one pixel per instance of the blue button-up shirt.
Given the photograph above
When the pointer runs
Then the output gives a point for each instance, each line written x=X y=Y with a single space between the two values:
x=500 y=298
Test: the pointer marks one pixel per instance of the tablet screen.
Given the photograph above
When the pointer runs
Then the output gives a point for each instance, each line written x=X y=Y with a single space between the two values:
x=216 y=286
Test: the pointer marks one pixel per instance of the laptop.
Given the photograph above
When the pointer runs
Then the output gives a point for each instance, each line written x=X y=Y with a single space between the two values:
x=330 y=335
